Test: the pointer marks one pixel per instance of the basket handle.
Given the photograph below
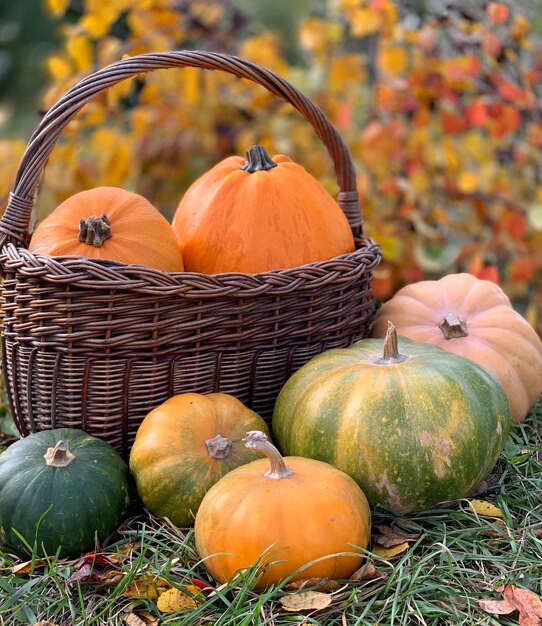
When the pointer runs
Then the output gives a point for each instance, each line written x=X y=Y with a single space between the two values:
x=14 y=224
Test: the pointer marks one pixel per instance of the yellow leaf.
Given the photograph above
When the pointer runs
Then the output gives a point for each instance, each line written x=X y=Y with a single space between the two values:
x=174 y=599
x=191 y=85
x=388 y=553
x=476 y=145
x=306 y=601
x=59 y=68
x=485 y=508
x=146 y=586
x=97 y=24
x=344 y=69
x=80 y=50
x=467 y=182
x=392 y=247
x=318 y=35
x=365 y=22
x=58 y=7
x=393 y=60
x=27 y=567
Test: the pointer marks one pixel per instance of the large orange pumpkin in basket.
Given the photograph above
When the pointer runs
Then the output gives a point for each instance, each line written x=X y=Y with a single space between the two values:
x=259 y=214
x=109 y=223
x=472 y=318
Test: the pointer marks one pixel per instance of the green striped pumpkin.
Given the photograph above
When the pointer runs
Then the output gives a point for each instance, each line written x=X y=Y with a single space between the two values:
x=61 y=489
x=413 y=427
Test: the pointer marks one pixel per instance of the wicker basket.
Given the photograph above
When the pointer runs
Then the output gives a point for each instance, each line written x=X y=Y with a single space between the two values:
x=96 y=344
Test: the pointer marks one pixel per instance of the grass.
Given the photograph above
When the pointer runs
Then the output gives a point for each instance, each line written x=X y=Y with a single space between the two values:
x=455 y=558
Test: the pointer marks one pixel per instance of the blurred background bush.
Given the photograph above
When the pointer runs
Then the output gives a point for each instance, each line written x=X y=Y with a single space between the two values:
x=439 y=102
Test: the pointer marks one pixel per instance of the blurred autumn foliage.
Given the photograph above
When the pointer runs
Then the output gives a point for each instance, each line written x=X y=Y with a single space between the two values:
x=439 y=103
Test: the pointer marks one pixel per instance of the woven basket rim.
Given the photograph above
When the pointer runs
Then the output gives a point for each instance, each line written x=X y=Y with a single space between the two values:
x=101 y=273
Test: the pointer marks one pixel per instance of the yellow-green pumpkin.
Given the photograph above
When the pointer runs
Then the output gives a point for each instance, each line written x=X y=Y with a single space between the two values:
x=184 y=446
x=413 y=424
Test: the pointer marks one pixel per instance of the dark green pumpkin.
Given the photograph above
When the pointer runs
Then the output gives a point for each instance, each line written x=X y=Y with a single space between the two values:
x=62 y=489
x=413 y=427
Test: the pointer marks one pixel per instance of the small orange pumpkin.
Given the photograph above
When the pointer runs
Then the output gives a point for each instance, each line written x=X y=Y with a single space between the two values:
x=472 y=318
x=184 y=446
x=298 y=512
x=258 y=215
x=109 y=223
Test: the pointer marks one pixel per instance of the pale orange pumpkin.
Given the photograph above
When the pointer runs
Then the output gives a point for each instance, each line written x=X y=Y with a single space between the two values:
x=109 y=223
x=258 y=215
x=472 y=318
x=296 y=512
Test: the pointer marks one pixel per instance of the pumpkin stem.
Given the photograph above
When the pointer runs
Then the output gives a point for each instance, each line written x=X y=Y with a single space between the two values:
x=258 y=160
x=390 y=351
x=453 y=327
x=95 y=230
x=256 y=440
x=218 y=447
x=60 y=455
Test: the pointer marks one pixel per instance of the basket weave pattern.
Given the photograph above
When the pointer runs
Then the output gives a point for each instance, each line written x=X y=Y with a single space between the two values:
x=97 y=344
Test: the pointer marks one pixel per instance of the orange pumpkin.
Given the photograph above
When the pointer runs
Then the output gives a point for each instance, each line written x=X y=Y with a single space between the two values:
x=184 y=446
x=258 y=215
x=109 y=223
x=298 y=512
x=472 y=318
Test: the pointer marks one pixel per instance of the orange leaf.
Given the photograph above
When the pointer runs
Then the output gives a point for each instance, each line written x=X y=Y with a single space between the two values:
x=496 y=607
x=526 y=602
x=514 y=223
x=489 y=272
x=452 y=123
x=467 y=182
x=497 y=12
x=521 y=269
x=477 y=113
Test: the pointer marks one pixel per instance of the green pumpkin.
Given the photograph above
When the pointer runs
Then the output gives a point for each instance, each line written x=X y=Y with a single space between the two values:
x=63 y=489
x=411 y=423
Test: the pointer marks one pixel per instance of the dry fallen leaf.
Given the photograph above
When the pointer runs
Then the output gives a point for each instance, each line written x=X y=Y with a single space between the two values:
x=27 y=567
x=306 y=601
x=141 y=618
x=496 y=607
x=388 y=537
x=319 y=584
x=174 y=599
x=388 y=553
x=368 y=572
x=146 y=586
x=44 y=622
x=526 y=602
x=485 y=508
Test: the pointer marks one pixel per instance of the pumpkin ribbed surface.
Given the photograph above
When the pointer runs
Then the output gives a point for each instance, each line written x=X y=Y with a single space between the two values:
x=185 y=446
x=276 y=216
x=313 y=513
x=109 y=223
x=411 y=433
x=472 y=318
x=68 y=506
